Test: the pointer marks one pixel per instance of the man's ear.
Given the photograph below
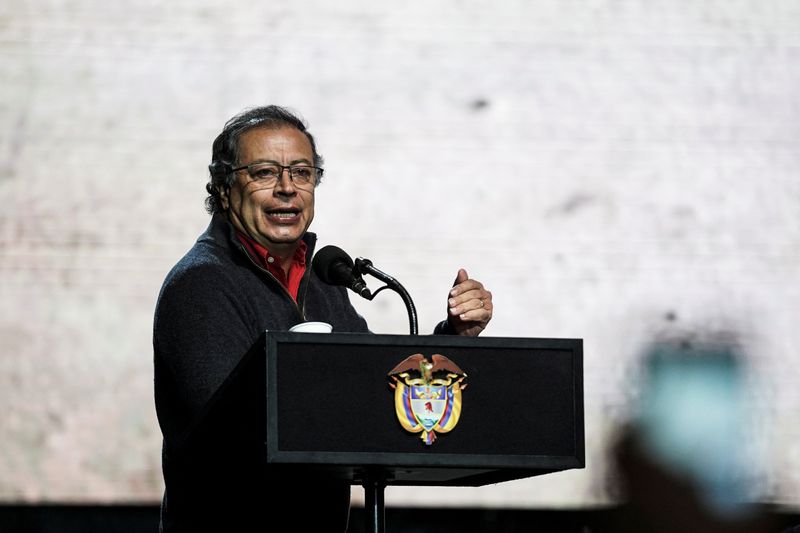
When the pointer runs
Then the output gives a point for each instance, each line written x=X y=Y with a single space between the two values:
x=218 y=170
x=223 y=191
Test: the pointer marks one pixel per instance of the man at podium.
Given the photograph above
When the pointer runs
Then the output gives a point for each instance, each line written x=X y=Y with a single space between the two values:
x=246 y=274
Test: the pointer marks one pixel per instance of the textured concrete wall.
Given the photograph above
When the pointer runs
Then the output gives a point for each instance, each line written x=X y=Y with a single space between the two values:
x=610 y=170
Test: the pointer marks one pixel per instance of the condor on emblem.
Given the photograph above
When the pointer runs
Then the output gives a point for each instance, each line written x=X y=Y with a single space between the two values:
x=427 y=395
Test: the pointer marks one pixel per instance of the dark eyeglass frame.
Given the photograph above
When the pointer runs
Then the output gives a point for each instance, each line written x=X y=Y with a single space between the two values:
x=318 y=170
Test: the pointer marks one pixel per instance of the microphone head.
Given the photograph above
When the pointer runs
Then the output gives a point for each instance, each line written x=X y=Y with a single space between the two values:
x=327 y=265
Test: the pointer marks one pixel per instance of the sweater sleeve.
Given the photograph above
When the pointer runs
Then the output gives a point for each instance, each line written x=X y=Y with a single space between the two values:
x=200 y=333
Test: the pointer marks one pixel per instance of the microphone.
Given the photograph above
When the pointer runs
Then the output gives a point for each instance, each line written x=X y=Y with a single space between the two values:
x=333 y=266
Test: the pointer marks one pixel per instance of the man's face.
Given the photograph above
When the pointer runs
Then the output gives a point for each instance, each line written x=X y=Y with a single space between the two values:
x=276 y=217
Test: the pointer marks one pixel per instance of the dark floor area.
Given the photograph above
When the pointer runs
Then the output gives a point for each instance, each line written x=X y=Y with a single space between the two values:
x=144 y=518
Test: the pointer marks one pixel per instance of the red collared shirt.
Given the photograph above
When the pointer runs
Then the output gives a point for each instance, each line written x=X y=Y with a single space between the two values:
x=272 y=263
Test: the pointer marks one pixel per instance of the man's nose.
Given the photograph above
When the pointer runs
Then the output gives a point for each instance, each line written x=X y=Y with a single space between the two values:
x=285 y=183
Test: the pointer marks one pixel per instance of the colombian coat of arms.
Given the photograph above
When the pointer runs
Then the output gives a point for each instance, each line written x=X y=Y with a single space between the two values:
x=427 y=394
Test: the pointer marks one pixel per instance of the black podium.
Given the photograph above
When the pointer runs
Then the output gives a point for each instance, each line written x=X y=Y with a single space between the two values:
x=330 y=409
x=306 y=406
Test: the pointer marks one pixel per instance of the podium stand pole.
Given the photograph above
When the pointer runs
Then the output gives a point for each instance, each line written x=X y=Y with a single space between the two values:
x=374 y=485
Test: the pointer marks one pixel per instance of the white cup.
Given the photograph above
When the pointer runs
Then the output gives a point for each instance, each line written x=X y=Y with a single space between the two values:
x=312 y=327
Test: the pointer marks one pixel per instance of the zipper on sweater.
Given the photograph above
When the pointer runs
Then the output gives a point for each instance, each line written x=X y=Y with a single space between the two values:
x=285 y=291
x=305 y=282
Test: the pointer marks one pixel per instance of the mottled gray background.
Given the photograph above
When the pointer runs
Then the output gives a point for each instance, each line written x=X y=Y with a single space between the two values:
x=610 y=169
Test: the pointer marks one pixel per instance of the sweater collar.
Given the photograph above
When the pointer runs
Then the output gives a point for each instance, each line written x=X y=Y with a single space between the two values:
x=222 y=233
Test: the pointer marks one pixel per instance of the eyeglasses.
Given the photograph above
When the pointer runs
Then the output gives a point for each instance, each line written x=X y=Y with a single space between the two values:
x=268 y=174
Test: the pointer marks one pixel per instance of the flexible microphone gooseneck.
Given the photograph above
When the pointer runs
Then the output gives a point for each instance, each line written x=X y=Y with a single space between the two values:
x=364 y=266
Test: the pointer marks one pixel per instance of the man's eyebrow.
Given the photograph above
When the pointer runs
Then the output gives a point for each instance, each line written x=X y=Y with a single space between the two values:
x=273 y=162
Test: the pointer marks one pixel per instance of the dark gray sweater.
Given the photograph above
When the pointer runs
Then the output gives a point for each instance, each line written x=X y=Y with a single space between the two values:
x=213 y=306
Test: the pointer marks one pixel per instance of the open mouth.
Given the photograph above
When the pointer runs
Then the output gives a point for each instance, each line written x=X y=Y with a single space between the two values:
x=284 y=215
